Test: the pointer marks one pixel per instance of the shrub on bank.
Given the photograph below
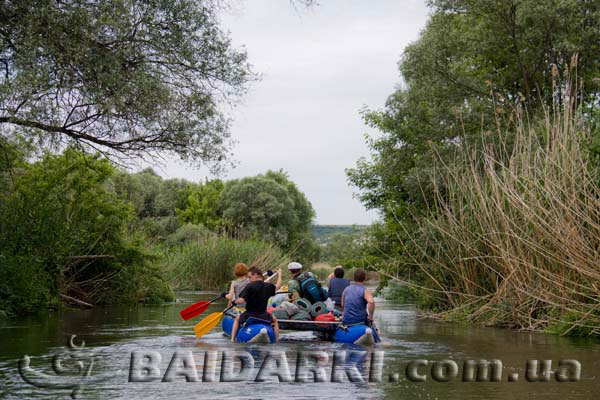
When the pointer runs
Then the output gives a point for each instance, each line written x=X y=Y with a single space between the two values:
x=62 y=232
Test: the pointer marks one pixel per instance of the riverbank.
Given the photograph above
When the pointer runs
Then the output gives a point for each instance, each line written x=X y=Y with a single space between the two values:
x=77 y=229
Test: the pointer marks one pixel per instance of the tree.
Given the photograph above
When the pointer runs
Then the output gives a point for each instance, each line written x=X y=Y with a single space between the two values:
x=302 y=207
x=171 y=196
x=271 y=207
x=63 y=231
x=202 y=204
x=128 y=77
x=473 y=64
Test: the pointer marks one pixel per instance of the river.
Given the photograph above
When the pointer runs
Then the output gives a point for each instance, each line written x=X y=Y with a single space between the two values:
x=112 y=334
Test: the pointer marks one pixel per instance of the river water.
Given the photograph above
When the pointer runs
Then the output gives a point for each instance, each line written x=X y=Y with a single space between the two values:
x=112 y=334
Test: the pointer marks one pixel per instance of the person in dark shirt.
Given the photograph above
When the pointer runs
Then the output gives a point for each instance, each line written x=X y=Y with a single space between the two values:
x=337 y=284
x=256 y=295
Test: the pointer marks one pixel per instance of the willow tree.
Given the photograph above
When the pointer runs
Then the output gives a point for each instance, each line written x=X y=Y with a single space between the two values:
x=124 y=77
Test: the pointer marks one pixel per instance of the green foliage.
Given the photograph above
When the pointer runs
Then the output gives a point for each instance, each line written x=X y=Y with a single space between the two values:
x=261 y=206
x=271 y=208
x=57 y=212
x=149 y=194
x=156 y=228
x=486 y=252
x=202 y=204
x=206 y=262
x=187 y=233
x=133 y=77
x=341 y=248
x=24 y=284
x=570 y=323
x=323 y=233
x=473 y=64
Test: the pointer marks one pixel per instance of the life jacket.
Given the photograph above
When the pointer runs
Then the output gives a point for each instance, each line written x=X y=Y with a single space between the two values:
x=311 y=289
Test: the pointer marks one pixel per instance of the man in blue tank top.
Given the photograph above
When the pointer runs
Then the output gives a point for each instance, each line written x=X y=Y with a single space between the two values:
x=357 y=300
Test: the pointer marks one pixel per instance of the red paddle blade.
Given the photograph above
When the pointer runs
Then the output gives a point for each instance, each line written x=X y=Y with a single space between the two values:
x=193 y=310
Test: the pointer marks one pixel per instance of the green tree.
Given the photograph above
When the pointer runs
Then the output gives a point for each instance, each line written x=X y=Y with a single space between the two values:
x=273 y=208
x=129 y=77
x=62 y=231
x=475 y=61
x=202 y=204
x=171 y=197
x=303 y=210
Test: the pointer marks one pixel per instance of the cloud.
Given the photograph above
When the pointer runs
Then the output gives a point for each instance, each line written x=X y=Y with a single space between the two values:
x=320 y=67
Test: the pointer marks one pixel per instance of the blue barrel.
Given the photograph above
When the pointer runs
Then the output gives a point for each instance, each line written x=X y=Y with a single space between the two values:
x=357 y=334
x=253 y=331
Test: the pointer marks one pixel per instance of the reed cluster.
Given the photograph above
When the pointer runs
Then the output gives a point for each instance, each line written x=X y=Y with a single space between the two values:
x=207 y=262
x=514 y=237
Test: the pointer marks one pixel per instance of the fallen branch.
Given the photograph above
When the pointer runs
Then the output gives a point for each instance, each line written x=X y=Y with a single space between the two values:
x=76 y=301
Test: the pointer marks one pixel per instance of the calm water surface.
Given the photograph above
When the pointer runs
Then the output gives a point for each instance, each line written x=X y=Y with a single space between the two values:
x=111 y=334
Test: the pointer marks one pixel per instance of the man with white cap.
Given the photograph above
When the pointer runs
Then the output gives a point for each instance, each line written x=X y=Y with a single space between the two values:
x=304 y=284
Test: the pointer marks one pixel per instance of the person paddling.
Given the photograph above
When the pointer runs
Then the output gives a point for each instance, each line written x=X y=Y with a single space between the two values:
x=357 y=300
x=256 y=295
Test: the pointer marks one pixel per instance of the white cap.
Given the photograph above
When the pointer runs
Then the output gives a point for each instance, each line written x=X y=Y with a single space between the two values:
x=294 y=266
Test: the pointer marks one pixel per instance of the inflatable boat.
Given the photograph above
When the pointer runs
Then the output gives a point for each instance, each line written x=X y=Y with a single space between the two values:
x=356 y=334
x=334 y=331
x=253 y=331
x=260 y=331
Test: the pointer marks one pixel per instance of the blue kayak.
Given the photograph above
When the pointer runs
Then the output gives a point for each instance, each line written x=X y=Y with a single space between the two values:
x=253 y=331
x=356 y=334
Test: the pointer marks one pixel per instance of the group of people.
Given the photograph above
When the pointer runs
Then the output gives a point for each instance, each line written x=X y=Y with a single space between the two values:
x=354 y=300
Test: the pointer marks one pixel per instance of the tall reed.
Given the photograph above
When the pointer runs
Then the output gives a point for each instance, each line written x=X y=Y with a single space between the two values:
x=514 y=239
x=207 y=262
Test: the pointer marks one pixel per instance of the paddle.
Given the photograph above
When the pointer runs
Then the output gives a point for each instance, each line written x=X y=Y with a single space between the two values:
x=212 y=320
x=208 y=323
x=198 y=308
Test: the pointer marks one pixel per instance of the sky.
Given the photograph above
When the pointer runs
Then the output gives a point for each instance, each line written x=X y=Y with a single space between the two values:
x=319 y=67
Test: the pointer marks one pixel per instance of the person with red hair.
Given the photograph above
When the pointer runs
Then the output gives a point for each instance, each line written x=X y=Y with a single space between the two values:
x=240 y=270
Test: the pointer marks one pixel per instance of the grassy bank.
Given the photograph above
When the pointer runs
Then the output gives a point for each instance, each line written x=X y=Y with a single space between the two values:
x=207 y=261
x=514 y=239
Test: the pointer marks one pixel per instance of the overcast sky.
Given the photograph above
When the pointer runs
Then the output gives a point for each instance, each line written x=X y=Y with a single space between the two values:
x=319 y=67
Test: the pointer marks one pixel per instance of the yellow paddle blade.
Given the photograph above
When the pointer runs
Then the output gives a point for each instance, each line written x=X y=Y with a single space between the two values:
x=206 y=325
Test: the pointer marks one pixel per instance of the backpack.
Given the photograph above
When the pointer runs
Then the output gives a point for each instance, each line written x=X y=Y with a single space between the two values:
x=311 y=289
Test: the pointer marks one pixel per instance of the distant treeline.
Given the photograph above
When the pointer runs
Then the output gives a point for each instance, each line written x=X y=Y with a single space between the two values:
x=324 y=233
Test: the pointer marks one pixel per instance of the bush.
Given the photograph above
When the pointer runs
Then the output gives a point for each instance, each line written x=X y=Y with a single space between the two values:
x=63 y=232
x=23 y=285
x=186 y=234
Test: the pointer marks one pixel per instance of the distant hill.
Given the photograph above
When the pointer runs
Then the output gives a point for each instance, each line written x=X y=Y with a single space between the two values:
x=324 y=232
